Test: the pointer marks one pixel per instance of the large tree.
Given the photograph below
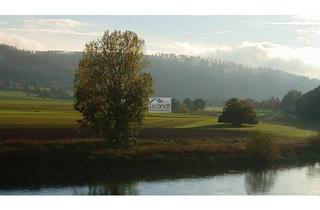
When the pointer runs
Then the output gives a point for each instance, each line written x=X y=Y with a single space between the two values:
x=237 y=112
x=111 y=91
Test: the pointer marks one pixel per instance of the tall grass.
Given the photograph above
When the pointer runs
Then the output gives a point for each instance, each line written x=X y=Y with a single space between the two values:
x=262 y=148
x=314 y=143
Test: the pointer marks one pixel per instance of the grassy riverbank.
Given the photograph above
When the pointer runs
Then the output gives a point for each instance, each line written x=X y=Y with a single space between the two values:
x=72 y=161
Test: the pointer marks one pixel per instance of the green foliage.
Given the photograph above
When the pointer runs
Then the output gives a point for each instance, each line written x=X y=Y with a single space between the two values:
x=188 y=103
x=111 y=91
x=314 y=142
x=183 y=108
x=237 y=112
x=308 y=105
x=288 y=103
x=271 y=104
x=198 y=104
x=262 y=148
x=58 y=93
x=21 y=69
x=175 y=105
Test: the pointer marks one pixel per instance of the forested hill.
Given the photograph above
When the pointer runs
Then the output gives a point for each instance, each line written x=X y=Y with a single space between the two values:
x=37 y=68
x=195 y=77
x=174 y=76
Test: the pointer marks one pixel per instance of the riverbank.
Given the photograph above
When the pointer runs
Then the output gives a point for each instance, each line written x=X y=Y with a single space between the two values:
x=79 y=160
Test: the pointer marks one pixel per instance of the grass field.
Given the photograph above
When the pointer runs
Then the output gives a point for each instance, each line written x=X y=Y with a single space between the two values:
x=213 y=109
x=19 y=110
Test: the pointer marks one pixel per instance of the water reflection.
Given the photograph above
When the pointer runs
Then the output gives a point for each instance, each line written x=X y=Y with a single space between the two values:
x=114 y=188
x=259 y=181
x=295 y=180
x=314 y=170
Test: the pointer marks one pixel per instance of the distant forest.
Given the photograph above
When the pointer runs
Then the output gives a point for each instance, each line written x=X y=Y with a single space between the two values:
x=174 y=76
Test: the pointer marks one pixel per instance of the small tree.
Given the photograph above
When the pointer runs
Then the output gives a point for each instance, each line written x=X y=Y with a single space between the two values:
x=175 y=105
x=188 y=103
x=237 y=112
x=111 y=92
x=198 y=104
x=183 y=108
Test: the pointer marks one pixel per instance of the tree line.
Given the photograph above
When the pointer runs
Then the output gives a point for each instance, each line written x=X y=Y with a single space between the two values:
x=293 y=104
x=187 y=105
x=305 y=106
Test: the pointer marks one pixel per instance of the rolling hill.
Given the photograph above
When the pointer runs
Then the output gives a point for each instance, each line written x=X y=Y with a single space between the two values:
x=174 y=76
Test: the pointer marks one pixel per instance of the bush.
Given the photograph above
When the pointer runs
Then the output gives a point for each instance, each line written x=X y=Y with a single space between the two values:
x=237 y=112
x=262 y=148
x=314 y=142
x=183 y=108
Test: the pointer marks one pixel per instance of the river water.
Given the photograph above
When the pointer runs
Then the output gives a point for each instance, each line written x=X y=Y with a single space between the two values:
x=298 y=180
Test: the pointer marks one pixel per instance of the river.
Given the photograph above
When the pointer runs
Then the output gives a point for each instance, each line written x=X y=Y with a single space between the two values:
x=297 y=180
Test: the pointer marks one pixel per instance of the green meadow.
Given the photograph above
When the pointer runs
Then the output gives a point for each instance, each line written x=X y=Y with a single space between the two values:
x=19 y=109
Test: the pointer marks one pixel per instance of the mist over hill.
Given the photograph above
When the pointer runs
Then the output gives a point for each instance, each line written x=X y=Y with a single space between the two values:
x=174 y=76
x=184 y=76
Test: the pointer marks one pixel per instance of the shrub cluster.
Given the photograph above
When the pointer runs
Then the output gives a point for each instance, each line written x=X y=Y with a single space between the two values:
x=262 y=148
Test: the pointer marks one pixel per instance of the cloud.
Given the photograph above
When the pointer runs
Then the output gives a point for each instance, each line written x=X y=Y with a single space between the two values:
x=187 y=48
x=307 y=17
x=54 y=26
x=20 y=42
x=306 y=27
x=309 y=36
x=302 y=61
x=296 y=23
x=56 y=31
x=309 y=32
x=310 y=20
x=184 y=48
x=221 y=32
x=53 y=23
x=207 y=33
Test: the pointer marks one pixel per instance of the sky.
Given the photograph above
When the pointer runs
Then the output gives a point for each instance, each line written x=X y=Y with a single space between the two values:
x=287 y=43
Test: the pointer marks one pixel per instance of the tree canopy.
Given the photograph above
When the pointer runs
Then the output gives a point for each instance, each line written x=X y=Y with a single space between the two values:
x=288 y=103
x=308 y=105
x=198 y=104
x=237 y=112
x=111 y=91
x=188 y=103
